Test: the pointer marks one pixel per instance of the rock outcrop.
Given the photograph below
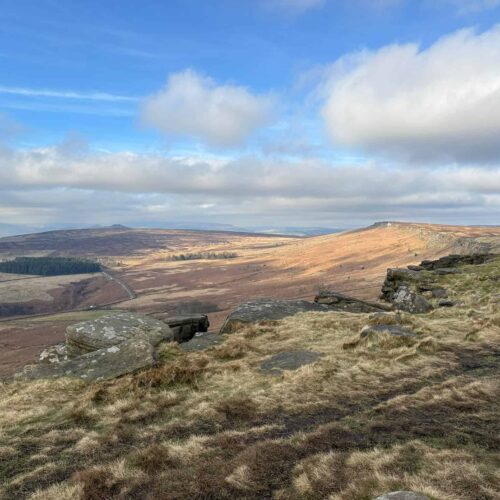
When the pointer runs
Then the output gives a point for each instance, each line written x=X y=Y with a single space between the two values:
x=113 y=329
x=185 y=326
x=102 y=348
x=103 y=364
x=453 y=261
x=339 y=302
x=267 y=309
x=407 y=300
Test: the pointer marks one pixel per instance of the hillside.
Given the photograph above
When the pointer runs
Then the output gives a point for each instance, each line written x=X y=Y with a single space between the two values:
x=266 y=266
x=362 y=416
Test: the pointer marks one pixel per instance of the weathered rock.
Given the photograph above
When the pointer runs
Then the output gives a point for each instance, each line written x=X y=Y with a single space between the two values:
x=415 y=268
x=447 y=270
x=395 y=330
x=339 y=302
x=113 y=329
x=267 y=309
x=289 y=360
x=456 y=260
x=406 y=299
x=103 y=364
x=53 y=354
x=397 y=278
x=202 y=341
x=185 y=326
x=447 y=303
x=403 y=495
x=439 y=293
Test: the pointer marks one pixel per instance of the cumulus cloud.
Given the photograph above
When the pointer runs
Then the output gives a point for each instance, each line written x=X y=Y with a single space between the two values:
x=126 y=187
x=195 y=105
x=440 y=103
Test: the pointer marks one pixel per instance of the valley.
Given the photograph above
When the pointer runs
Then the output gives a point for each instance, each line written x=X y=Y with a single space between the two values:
x=140 y=277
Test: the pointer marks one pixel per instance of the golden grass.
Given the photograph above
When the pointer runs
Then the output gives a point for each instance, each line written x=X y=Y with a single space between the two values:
x=360 y=421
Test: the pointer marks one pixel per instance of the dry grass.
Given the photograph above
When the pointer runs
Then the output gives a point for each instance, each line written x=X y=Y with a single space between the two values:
x=378 y=416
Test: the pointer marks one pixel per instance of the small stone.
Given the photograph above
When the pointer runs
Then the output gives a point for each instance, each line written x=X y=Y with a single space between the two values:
x=290 y=360
x=403 y=495
x=439 y=293
x=395 y=330
x=447 y=303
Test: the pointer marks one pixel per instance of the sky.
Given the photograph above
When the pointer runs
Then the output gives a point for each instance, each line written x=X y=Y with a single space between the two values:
x=321 y=113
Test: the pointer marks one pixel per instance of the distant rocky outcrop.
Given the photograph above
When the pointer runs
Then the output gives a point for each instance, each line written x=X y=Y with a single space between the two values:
x=267 y=309
x=339 y=302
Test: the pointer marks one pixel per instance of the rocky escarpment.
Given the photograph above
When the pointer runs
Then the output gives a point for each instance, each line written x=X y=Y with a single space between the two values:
x=413 y=289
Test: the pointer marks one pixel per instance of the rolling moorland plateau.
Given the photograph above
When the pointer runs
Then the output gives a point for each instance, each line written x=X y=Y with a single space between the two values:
x=329 y=403
x=141 y=277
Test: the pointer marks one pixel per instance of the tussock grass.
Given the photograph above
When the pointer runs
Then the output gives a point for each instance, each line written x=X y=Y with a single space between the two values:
x=378 y=415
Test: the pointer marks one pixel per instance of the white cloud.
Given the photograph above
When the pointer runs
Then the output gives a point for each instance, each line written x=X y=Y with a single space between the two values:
x=52 y=185
x=194 y=105
x=438 y=103
x=64 y=94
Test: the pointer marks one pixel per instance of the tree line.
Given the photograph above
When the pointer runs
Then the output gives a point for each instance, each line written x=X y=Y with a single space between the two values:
x=204 y=255
x=49 y=266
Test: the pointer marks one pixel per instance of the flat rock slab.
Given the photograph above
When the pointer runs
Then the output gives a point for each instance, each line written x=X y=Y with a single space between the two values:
x=202 y=341
x=103 y=364
x=395 y=330
x=267 y=309
x=403 y=495
x=340 y=302
x=113 y=329
x=289 y=360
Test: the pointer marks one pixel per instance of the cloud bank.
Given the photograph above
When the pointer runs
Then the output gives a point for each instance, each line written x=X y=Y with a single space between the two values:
x=194 y=105
x=49 y=184
x=440 y=103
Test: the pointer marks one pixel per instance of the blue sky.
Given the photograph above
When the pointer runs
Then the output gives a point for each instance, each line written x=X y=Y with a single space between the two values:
x=263 y=104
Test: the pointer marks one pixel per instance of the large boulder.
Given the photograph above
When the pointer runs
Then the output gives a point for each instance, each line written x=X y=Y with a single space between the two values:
x=184 y=327
x=267 y=309
x=339 y=302
x=112 y=330
x=407 y=300
x=103 y=364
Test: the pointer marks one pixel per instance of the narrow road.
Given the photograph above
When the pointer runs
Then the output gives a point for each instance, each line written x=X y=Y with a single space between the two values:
x=131 y=293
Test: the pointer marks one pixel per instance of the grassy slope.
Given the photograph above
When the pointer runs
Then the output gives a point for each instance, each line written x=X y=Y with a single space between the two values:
x=362 y=420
